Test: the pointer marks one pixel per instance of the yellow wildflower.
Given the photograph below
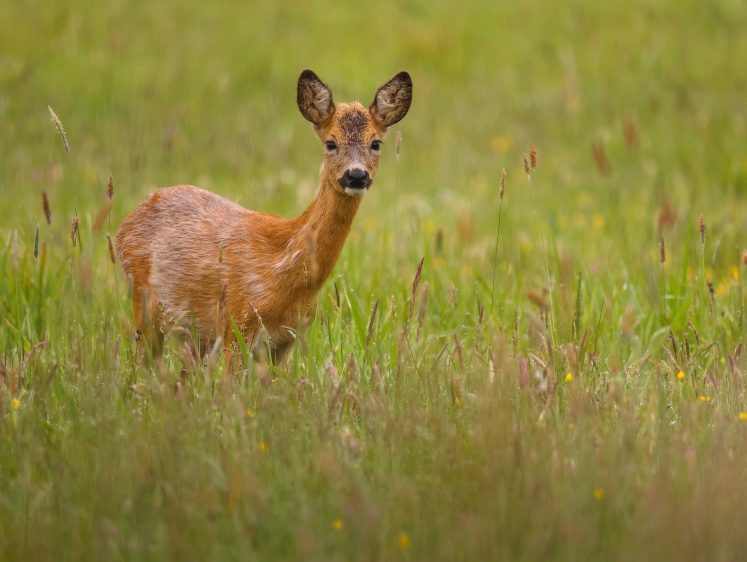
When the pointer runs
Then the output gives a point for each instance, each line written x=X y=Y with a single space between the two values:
x=705 y=398
x=569 y=377
x=404 y=541
x=597 y=220
x=15 y=403
x=743 y=415
x=499 y=144
x=680 y=375
x=428 y=226
x=262 y=446
x=599 y=493
x=337 y=524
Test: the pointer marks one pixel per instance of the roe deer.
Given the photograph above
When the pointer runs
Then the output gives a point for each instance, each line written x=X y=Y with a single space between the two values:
x=193 y=256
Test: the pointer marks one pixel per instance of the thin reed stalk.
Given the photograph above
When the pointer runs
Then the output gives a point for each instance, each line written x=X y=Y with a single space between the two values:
x=663 y=291
x=540 y=239
x=495 y=253
x=397 y=145
x=704 y=293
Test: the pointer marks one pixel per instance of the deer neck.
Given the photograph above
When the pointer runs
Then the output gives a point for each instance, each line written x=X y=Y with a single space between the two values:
x=323 y=228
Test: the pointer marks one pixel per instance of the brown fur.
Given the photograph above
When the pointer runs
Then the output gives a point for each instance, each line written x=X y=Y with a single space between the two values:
x=183 y=244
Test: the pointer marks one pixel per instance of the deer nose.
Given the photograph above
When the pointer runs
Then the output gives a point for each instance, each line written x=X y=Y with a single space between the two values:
x=355 y=178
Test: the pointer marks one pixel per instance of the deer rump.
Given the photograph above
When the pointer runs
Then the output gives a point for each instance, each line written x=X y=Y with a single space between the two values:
x=216 y=259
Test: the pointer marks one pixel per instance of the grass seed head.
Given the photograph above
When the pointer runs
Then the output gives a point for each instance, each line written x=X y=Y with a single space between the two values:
x=58 y=124
x=744 y=257
x=111 y=249
x=398 y=142
x=415 y=283
x=110 y=189
x=45 y=204
x=663 y=251
x=702 y=229
x=526 y=167
x=629 y=132
x=600 y=157
x=74 y=230
x=532 y=156
x=503 y=183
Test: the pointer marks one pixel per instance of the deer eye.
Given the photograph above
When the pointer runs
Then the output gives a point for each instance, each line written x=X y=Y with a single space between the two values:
x=330 y=145
x=376 y=145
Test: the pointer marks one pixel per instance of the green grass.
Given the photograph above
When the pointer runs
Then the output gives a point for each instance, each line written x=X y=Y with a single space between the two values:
x=554 y=428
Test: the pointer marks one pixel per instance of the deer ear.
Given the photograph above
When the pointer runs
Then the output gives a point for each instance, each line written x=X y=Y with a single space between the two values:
x=314 y=98
x=392 y=100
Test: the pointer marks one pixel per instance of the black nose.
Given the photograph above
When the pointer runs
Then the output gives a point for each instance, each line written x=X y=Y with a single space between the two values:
x=357 y=178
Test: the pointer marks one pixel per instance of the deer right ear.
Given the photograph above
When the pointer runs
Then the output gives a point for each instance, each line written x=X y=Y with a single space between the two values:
x=314 y=98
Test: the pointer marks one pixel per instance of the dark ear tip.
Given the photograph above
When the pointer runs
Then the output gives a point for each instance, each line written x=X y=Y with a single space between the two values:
x=404 y=77
x=308 y=75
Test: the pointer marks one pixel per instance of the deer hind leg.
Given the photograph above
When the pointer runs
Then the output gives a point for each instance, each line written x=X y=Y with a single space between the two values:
x=279 y=352
x=148 y=322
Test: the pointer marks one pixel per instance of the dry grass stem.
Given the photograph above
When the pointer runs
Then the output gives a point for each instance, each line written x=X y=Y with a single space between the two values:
x=36 y=242
x=58 y=124
x=100 y=219
x=398 y=142
x=372 y=323
x=110 y=189
x=421 y=313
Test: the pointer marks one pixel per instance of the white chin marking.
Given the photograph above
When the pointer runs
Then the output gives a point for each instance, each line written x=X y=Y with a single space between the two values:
x=356 y=192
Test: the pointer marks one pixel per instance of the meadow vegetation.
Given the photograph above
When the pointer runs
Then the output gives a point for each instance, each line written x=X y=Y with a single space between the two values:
x=587 y=402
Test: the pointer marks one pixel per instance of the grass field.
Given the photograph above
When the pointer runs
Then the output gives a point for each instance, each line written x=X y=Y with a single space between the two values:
x=564 y=387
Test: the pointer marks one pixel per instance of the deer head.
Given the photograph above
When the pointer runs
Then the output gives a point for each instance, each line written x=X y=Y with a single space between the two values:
x=352 y=135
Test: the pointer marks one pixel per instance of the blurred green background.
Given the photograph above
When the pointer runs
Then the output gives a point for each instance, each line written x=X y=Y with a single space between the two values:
x=204 y=93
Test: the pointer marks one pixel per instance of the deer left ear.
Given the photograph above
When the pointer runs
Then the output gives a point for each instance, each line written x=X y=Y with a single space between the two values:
x=392 y=100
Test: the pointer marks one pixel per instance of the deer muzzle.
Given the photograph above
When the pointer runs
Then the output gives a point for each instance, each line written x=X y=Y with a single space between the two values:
x=355 y=179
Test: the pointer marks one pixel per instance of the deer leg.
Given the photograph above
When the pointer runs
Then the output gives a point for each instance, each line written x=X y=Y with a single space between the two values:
x=149 y=333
